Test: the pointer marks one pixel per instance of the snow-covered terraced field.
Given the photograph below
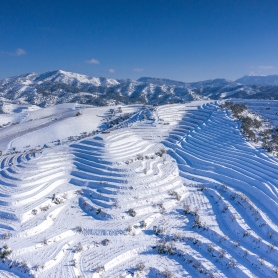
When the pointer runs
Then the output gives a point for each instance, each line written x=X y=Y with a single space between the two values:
x=176 y=190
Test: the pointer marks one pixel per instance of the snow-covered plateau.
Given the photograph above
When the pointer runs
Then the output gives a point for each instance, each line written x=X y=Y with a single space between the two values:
x=174 y=190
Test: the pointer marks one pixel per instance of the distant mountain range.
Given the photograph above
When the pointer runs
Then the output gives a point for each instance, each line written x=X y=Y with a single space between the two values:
x=59 y=86
x=259 y=80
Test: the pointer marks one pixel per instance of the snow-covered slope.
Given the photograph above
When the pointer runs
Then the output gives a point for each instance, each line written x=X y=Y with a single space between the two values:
x=167 y=191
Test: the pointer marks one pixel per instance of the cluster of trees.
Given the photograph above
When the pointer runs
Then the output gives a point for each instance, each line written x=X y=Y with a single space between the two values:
x=248 y=125
x=251 y=128
x=270 y=139
x=1 y=107
x=236 y=109
x=118 y=120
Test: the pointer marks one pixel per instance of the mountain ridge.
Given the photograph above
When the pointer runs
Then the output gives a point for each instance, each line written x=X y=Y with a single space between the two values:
x=58 y=86
x=259 y=79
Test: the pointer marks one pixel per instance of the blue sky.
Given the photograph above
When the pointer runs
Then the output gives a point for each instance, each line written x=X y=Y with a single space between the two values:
x=187 y=40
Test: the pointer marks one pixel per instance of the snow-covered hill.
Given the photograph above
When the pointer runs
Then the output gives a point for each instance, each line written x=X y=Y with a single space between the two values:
x=59 y=76
x=135 y=191
x=57 y=87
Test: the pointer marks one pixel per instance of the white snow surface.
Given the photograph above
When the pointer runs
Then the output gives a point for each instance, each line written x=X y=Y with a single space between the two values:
x=66 y=207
